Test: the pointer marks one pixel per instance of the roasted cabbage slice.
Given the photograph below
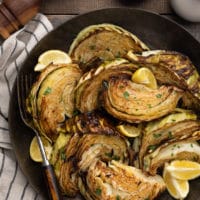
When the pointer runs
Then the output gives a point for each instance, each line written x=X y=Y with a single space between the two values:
x=89 y=138
x=175 y=69
x=68 y=179
x=65 y=167
x=104 y=41
x=174 y=127
x=93 y=147
x=31 y=101
x=81 y=151
x=90 y=123
x=178 y=115
x=135 y=103
x=187 y=149
x=119 y=181
x=89 y=87
x=32 y=98
x=53 y=98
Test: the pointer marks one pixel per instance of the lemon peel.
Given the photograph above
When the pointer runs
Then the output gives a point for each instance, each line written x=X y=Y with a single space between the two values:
x=178 y=189
x=34 y=149
x=184 y=169
x=52 y=56
x=144 y=76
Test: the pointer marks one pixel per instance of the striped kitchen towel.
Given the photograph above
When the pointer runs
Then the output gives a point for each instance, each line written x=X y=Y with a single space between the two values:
x=14 y=50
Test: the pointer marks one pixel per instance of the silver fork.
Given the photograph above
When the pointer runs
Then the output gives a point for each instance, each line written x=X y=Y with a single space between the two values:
x=24 y=83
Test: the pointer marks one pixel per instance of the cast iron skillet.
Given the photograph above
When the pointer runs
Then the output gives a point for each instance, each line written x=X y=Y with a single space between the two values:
x=156 y=31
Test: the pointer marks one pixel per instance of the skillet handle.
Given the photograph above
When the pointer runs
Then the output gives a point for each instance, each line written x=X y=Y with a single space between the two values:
x=52 y=184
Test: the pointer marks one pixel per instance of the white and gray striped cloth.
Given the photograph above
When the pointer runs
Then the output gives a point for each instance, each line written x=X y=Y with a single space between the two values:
x=14 y=50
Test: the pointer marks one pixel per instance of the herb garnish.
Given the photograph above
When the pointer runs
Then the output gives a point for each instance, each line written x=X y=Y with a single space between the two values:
x=98 y=191
x=158 y=95
x=115 y=157
x=92 y=47
x=170 y=136
x=121 y=87
x=109 y=154
x=76 y=112
x=157 y=135
x=63 y=155
x=118 y=197
x=152 y=147
x=126 y=95
x=149 y=105
x=47 y=91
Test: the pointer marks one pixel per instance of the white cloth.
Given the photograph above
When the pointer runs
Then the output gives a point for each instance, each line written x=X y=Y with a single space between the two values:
x=14 y=50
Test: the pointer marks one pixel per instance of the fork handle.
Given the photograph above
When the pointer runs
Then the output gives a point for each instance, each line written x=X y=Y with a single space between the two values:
x=52 y=184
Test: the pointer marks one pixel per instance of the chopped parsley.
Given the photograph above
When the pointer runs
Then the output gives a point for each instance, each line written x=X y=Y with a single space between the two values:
x=98 y=191
x=47 y=91
x=121 y=87
x=152 y=147
x=115 y=157
x=92 y=47
x=76 y=112
x=170 y=136
x=118 y=197
x=191 y=145
x=109 y=154
x=173 y=120
x=158 y=95
x=63 y=155
x=126 y=95
x=157 y=135
x=149 y=105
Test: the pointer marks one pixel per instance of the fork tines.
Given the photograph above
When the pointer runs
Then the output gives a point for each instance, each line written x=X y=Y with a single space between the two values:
x=24 y=82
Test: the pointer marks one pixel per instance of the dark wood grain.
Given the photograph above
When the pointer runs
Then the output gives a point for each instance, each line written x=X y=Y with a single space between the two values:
x=81 y=6
x=62 y=10
x=15 y=14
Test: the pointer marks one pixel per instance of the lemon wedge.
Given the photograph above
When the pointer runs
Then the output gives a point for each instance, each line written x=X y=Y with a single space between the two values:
x=34 y=149
x=129 y=130
x=52 y=56
x=178 y=189
x=145 y=76
x=184 y=169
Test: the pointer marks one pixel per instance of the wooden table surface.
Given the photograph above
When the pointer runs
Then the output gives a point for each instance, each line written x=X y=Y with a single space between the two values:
x=60 y=11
